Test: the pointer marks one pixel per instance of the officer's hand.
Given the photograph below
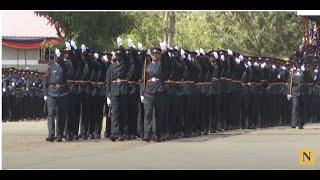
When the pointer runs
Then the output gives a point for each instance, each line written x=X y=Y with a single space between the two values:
x=4 y=90
x=289 y=96
x=142 y=99
x=108 y=102
x=45 y=98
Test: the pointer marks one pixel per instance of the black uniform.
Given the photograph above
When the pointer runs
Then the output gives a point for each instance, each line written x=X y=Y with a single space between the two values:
x=134 y=75
x=237 y=71
x=117 y=91
x=297 y=103
x=56 y=90
x=152 y=94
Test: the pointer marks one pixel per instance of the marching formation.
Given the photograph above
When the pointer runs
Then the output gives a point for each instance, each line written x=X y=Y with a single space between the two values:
x=22 y=97
x=166 y=93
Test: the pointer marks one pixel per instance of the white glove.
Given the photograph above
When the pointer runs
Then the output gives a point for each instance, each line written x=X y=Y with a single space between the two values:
x=215 y=54
x=303 y=68
x=222 y=57
x=4 y=90
x=57 y=52
x=96 y=55
x=108 y=102
x=289 y=96
x=119 y=41
x=68 y=46
x=83 y=48
x=73 y=44
x=237 y=60
x=139 y=46
x=45 y=98
x=142 y=99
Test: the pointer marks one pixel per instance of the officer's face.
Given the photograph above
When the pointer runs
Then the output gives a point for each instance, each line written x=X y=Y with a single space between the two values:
x=155 y=56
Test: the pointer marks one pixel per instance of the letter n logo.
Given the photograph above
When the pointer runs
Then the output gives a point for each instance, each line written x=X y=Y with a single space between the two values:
x=307 y=156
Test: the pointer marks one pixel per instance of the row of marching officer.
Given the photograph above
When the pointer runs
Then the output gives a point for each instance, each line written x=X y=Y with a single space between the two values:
x=165 y=93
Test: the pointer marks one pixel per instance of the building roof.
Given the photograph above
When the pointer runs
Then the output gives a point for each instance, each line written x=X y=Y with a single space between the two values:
x=26 y=24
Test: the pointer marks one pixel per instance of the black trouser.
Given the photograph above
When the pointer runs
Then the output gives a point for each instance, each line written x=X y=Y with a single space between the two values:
x=133 y=110
x=170 y=110
x=187 y=113
x=224 y=121
x=57 y=110
x=204 y=108
x=119 y=115
x=277 y=112
x=306 y=100
x=152 y=120
x=197 y=112
x=245 y=111
x=313 y=107
x=77 y=114
x=98 y=115
x=235 y=109
x=193 y=99
x=5 y=107
x=253 y=110
x=107 y=131
x=70 y=116
x=263 y=110
x=72 y=125
x=296 y=118
x=19 y=107
x=167 y=117
x=94 y=110
x=140 y=122
x=84 y=98
x=179 y=109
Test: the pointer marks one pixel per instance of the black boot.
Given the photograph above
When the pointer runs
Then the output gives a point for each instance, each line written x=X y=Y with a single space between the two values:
x=50 y=139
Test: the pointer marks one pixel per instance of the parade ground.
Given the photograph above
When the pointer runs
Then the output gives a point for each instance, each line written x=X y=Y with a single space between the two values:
x=24 y=147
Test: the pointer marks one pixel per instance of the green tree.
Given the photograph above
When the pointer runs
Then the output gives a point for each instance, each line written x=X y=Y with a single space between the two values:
x=98 y=30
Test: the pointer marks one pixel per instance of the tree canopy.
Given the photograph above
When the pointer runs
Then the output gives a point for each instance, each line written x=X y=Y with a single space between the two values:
x=273 y=34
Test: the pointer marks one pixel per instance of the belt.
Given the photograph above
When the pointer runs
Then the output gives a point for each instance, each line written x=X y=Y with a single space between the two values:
x=84 y=81
x=35 y=88
x=177 y=82
x=74 y=81
x=215 y=78
x=57 y=85
x=133 y=82
x=119 y=80
x=97 y=82
x=201 y=83
x=308 y=84
x=153 y=79
x=228 y=79
x=188 y=81
x=236 y=81
x=222 y=78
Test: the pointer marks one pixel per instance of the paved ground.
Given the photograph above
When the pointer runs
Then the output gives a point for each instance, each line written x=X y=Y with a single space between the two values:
x=272 y=148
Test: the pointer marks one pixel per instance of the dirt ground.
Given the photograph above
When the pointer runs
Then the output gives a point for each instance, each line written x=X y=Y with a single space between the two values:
x=24 y=147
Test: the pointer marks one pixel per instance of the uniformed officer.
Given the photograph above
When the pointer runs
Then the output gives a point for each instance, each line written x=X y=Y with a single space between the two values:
x=237 y=69
x=84 y=91
x=101 y=94
x=55 y=93
x=5 y=95
x=70 y=65
x=296 y=117
x=134 y=66
x=151 y=96
x=116 y=93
